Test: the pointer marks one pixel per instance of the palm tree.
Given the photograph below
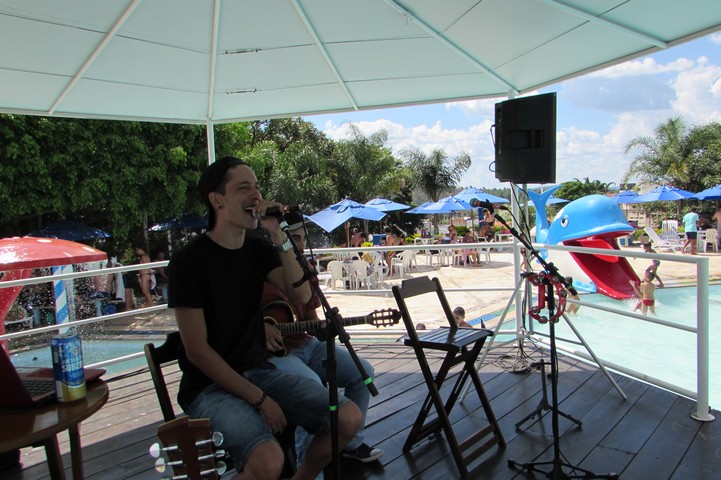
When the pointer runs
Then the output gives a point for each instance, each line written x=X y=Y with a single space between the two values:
x=435 y=173
x=662 y=159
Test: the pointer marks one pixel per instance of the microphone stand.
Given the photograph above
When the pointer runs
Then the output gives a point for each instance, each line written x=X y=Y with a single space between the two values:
x=334 y=328
x=557 y=464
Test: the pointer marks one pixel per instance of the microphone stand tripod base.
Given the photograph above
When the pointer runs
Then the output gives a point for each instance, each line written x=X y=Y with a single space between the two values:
x=543 y=404
x=557 y=472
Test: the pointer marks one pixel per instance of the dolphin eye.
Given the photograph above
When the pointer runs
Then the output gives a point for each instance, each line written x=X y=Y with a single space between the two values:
x=564 y=221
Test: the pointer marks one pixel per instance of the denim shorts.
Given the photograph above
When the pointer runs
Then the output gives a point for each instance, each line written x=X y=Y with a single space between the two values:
x=303 y=400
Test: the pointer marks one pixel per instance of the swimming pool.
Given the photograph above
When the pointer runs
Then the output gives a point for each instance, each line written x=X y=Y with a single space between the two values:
x=94 y=351
x=661 y=352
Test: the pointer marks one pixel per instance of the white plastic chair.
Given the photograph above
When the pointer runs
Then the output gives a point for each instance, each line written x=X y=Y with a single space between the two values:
x=359 y=274
x=662 y=244
x=669 y=230
x=710 y=236
x=402 y=262
x=337 y=273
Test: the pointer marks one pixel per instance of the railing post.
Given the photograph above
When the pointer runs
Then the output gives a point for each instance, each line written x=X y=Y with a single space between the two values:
x=702 y=342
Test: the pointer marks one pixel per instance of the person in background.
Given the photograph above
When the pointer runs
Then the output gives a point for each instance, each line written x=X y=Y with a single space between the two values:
x=215 y=288
x=145 y=277
x=645 y=292
x=161 y=276
x=690 y=227
x=652 y=269
x=357 y=239
x=717 y=218
x=306 y=356
x=571 y=307
x=459 y=313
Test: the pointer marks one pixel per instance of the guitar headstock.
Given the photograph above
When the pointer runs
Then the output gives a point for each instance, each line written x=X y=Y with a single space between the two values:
x=191 y=449
x=383 y=318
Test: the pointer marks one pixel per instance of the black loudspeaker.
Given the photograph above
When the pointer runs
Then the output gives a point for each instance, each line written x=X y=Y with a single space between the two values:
x=526 y=139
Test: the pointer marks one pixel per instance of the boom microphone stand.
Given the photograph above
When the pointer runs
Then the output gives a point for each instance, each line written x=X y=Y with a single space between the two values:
x=557 y=465
x=334 y=328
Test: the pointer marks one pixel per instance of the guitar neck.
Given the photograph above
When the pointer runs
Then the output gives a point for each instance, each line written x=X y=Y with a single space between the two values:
x=311 y=325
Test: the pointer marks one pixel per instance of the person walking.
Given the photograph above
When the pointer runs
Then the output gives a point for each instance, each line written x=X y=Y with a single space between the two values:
x=690 y=227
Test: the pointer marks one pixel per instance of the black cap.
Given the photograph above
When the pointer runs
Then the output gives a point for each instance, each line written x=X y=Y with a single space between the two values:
x=211 y=179
x=294 y=219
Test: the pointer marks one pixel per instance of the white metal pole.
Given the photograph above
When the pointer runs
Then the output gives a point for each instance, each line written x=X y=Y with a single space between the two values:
x=702 y=342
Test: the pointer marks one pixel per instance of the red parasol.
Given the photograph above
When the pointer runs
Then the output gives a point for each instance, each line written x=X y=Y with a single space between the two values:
x=19 y=255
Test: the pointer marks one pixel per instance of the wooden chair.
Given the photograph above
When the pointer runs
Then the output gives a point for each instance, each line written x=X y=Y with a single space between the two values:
x=167 y=354
x=462 y=347
x=158 y=357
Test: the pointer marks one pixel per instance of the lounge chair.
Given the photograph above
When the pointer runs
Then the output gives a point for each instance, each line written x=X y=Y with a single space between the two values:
x=660 y=243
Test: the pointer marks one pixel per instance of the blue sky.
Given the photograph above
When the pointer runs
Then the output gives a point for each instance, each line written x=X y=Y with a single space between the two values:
x=597 y=114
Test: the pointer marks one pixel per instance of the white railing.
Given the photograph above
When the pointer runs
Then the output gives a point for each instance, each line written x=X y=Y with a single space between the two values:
x=701 y=329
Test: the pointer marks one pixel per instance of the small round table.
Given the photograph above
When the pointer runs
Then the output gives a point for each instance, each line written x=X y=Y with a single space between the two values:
x=40 y=425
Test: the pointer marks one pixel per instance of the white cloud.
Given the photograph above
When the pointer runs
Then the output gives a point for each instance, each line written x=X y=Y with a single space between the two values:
x=602 y=112
x=643 y=66
x=698 y=94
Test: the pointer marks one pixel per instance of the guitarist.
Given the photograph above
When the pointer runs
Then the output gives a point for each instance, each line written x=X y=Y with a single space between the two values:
x=307 y=352
x=215 y=287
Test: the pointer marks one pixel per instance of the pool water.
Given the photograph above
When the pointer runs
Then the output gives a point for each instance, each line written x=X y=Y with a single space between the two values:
x=658 y=351
x=94 y=351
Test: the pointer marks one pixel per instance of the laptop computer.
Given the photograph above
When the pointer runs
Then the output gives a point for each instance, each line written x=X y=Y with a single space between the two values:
x=25 y=387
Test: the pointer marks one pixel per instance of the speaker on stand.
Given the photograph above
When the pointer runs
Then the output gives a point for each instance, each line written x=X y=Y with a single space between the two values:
x=525 y=140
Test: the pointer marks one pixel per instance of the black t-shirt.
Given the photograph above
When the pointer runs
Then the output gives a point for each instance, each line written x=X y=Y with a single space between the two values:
x=228 y=286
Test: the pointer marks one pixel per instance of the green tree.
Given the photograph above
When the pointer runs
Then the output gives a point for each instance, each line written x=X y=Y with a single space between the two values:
x=364 y=167
x=113 y=175
x=435 y=174
x=576 y=189
x=662 y=159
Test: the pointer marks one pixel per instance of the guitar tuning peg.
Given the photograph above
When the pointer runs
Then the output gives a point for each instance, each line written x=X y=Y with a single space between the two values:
x=216 y=439
x=161 y=464
x=156 y=449
x=221 y=468
x=176 y=477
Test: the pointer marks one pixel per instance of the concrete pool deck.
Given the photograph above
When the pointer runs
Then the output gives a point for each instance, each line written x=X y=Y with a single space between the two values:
x=496 y=274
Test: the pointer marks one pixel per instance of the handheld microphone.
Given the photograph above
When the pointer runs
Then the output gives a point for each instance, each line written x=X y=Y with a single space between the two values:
x=481 y=203
x=279 y=212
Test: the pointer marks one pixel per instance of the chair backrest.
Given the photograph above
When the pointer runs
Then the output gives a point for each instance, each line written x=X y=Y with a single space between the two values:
x=336 y=269
x=420 y=286
x=157 y=357
x=655 y=238
x=360 y=269
x=711 y=235
x=669 y=229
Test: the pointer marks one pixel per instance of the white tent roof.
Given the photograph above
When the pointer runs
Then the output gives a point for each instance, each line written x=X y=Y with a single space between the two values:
x=205 y=61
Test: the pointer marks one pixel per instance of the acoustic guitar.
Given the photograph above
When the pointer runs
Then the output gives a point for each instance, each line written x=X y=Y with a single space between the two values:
x=282 y=316
x=191 y=449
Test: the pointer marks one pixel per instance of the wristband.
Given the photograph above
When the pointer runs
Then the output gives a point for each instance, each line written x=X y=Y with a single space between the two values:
x=285 y=247
x=259 y=403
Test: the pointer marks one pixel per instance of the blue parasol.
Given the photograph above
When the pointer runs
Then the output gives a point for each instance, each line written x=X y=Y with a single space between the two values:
x=663 y=194
x=470 y=193
x=713 y=193
x=626 y=196
x=444 y=205
x=186 y=220
x=385 y=205
x=419 y=209
x=338 y=213
x=69 y=230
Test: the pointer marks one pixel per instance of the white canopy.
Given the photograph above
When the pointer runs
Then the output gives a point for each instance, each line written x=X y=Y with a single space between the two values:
x=205 y=61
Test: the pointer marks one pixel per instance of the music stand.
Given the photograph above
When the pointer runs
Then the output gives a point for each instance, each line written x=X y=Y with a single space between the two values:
x=334 y=328
x=549 y=279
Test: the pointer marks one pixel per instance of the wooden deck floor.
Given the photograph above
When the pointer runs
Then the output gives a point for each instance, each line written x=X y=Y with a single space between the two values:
x=648 y=436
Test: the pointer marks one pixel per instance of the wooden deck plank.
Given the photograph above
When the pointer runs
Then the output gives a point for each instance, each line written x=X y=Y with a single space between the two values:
x=651 y=435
